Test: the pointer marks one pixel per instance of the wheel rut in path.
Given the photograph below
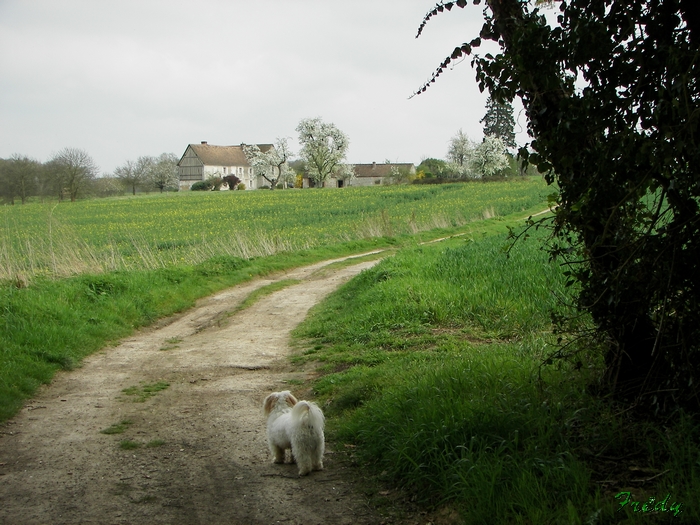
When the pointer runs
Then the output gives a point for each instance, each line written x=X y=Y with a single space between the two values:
x=202 y=455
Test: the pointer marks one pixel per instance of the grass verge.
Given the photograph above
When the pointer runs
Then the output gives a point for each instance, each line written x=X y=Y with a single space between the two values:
x=431 y=372
x=264 y=291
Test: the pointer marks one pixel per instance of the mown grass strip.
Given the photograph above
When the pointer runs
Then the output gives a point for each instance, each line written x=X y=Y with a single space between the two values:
x=264 y=291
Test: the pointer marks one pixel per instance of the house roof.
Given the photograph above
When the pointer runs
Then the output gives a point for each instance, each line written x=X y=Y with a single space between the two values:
x=379 y=170
x=212 y=155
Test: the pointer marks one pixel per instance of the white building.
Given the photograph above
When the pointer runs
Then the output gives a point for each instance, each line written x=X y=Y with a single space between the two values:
x=204 y=161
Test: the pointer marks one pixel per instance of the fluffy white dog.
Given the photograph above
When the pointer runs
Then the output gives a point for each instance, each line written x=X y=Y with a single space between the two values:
x=295 y=425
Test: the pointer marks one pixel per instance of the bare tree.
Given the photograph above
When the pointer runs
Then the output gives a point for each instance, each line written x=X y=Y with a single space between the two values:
x=72 y=170
x=128 y=175
x=19 y=177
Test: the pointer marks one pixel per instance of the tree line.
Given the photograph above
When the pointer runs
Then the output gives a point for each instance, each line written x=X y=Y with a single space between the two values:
x=72 y=173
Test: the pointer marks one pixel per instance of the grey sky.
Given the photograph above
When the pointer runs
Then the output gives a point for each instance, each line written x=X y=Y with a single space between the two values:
x=126 y=78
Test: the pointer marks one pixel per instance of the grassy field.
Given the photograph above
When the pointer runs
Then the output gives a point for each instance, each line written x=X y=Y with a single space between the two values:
x=162 y=230
x=432 y=374
x=113 y=287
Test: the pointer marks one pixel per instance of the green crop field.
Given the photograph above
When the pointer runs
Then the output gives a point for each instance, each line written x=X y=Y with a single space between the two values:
x=160 y=230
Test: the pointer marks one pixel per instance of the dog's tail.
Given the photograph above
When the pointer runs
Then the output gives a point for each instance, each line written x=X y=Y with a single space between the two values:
x=310 y=411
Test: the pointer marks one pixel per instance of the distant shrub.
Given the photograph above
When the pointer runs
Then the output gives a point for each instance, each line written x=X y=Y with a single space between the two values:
x=201 y=185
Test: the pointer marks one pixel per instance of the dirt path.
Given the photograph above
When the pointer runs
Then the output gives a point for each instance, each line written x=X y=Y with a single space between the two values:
x=213 y=465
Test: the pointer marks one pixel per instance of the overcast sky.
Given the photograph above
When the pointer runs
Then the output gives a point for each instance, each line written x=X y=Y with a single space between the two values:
x=125 y=78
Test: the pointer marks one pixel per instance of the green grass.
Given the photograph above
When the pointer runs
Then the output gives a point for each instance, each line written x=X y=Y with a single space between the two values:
x=141 y=393
x=263 y=291
x=163 y=230
x=128 y=444
x=431 y=366
x=117 y=428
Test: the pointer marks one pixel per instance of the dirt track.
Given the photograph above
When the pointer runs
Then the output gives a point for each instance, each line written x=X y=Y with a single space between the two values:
x=213 y=467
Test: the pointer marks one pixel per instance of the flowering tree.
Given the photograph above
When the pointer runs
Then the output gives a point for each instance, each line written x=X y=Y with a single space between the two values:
x=488 y=158
x=323 y=148
x=163 y=171
x=459 y=156
x=461 y=149
x=272 y=165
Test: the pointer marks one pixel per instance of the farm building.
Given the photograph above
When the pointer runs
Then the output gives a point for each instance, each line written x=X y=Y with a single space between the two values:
x=368 y=175
x=203 y=161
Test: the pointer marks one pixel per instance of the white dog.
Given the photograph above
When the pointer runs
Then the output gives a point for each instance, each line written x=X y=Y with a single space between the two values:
x=295 y=425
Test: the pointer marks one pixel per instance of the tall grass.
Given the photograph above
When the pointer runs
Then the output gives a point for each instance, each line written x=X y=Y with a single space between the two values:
x=432 y=368
x=157 y=231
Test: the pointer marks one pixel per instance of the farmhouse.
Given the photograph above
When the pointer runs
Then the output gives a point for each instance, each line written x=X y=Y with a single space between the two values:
x=203 y=161
x=368 y=175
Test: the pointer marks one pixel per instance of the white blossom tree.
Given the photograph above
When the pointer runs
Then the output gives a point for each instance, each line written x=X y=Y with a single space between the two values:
x=272 y=165
x=489 y=157
x=163 y=171
x=461 y=149
x=323 y=147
